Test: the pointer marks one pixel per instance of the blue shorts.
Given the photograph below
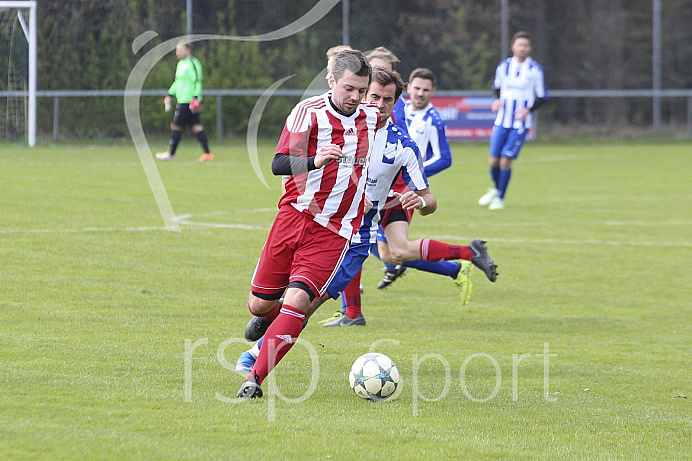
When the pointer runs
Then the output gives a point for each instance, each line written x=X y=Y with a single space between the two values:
x=380 y=234
x=353 y=262
x=506 y=142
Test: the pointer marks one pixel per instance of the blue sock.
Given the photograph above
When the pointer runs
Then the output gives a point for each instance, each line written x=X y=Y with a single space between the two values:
x=389 y=267
x=503 y=182
x=343 y=305
x=375 y=252
x=495 y=175
x=449 y=268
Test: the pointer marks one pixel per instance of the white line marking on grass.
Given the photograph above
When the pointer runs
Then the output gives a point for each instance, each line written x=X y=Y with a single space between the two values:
x=82 y=230
x=569 y=158
x=185 y=219
x=585 y=223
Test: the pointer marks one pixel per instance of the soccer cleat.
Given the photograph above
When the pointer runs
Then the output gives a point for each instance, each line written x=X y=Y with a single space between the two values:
x=245 y=362
x=488 y=197
x=482 y=260
x=250 y=388
x=344 y=321
x=463 y=281
x=497 y=204
x=207 y=158
x=390 y=276
x=256 y=328
x=165 y=156
x=337 y=315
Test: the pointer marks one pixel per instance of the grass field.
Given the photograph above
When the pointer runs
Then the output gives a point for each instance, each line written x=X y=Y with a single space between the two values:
x=581 y=350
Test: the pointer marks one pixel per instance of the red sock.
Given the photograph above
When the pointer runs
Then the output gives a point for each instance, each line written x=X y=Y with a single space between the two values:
x=352 y=297
x=278 y=340
x=432 y=250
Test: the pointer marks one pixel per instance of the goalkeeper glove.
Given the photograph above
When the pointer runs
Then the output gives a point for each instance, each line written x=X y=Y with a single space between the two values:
x=195 y=104
x=167 y=103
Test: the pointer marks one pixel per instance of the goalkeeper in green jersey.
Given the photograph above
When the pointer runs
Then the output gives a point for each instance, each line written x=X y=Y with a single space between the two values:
x=187 y=89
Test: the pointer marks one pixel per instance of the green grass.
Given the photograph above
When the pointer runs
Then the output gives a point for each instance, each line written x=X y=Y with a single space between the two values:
x=98 y=300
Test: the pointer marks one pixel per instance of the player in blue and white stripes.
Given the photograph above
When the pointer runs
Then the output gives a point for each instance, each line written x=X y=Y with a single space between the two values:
x=418 y=118
x=520 y=89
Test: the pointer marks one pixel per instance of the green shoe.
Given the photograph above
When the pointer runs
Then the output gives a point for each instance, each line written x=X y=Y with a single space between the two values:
x=463 y=281
x=337 y=315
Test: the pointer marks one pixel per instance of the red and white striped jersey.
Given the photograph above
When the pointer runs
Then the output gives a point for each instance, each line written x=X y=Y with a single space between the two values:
x=333 y=194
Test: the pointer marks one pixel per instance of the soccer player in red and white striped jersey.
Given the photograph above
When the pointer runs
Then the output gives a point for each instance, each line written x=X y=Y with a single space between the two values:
x=324 y=147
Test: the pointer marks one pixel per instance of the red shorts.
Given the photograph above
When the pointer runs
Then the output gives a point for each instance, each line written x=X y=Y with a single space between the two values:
x=298 y=250
x=391 y=205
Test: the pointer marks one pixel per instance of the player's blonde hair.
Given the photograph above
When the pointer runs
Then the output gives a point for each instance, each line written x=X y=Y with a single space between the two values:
x=332 y=52
x=384 y=54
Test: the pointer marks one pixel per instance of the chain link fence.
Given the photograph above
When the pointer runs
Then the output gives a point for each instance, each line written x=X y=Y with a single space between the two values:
x=87 y=45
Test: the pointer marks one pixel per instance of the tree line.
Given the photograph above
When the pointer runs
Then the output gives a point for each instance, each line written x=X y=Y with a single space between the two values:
x=582 y=44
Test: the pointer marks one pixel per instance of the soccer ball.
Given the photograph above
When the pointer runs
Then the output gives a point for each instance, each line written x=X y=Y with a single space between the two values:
x=374 y=376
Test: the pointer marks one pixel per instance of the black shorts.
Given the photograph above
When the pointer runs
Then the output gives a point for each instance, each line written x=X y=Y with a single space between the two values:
x=393 y=211
x=183 y=117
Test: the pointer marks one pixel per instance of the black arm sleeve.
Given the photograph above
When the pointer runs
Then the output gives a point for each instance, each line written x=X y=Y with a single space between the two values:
x=285 y=164
x=497 y=94
x=538 y=103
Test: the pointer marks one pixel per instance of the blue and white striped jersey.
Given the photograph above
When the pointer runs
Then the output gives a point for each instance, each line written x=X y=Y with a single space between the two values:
x=427 y=129
x=392 y=152
x=519 y=84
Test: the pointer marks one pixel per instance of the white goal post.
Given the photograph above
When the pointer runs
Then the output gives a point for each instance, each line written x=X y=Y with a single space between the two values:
x=28 y=90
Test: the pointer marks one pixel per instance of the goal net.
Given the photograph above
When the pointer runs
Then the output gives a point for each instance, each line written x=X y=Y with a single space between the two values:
x=18 y=70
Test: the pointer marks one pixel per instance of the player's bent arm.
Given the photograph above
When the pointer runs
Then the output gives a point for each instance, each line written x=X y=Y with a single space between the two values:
x=287 y=165
x=430 y=202
x=441 y=158
x=423 y=201
x=367 y=205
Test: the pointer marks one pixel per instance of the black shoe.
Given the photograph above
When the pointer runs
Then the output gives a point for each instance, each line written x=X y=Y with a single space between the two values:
x=390 y=276
x=256 y=328
x=482 y=260
x=250 y=389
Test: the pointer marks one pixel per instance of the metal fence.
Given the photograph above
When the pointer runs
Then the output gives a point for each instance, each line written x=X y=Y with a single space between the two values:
x=218 y=96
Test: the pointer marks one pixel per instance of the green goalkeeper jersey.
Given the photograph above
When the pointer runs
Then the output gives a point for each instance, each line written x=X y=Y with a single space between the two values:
x=188 y=81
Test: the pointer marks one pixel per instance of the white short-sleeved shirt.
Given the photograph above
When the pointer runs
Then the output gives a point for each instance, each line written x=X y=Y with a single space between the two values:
x=394 y=152
x=519 y=84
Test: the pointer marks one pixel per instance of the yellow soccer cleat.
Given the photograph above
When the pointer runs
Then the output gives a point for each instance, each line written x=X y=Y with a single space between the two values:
x=463 y=281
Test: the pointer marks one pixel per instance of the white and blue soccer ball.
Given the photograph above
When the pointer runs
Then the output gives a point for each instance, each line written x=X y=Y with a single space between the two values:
x=374 y=376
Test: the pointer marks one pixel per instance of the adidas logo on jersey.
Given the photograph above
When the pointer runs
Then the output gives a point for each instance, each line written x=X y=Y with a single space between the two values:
x=287 y=338
x=350 y=132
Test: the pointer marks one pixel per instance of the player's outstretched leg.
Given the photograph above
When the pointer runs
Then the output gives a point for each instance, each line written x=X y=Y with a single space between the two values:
x=482 y=259
x=250 y=388
x=390 y=276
